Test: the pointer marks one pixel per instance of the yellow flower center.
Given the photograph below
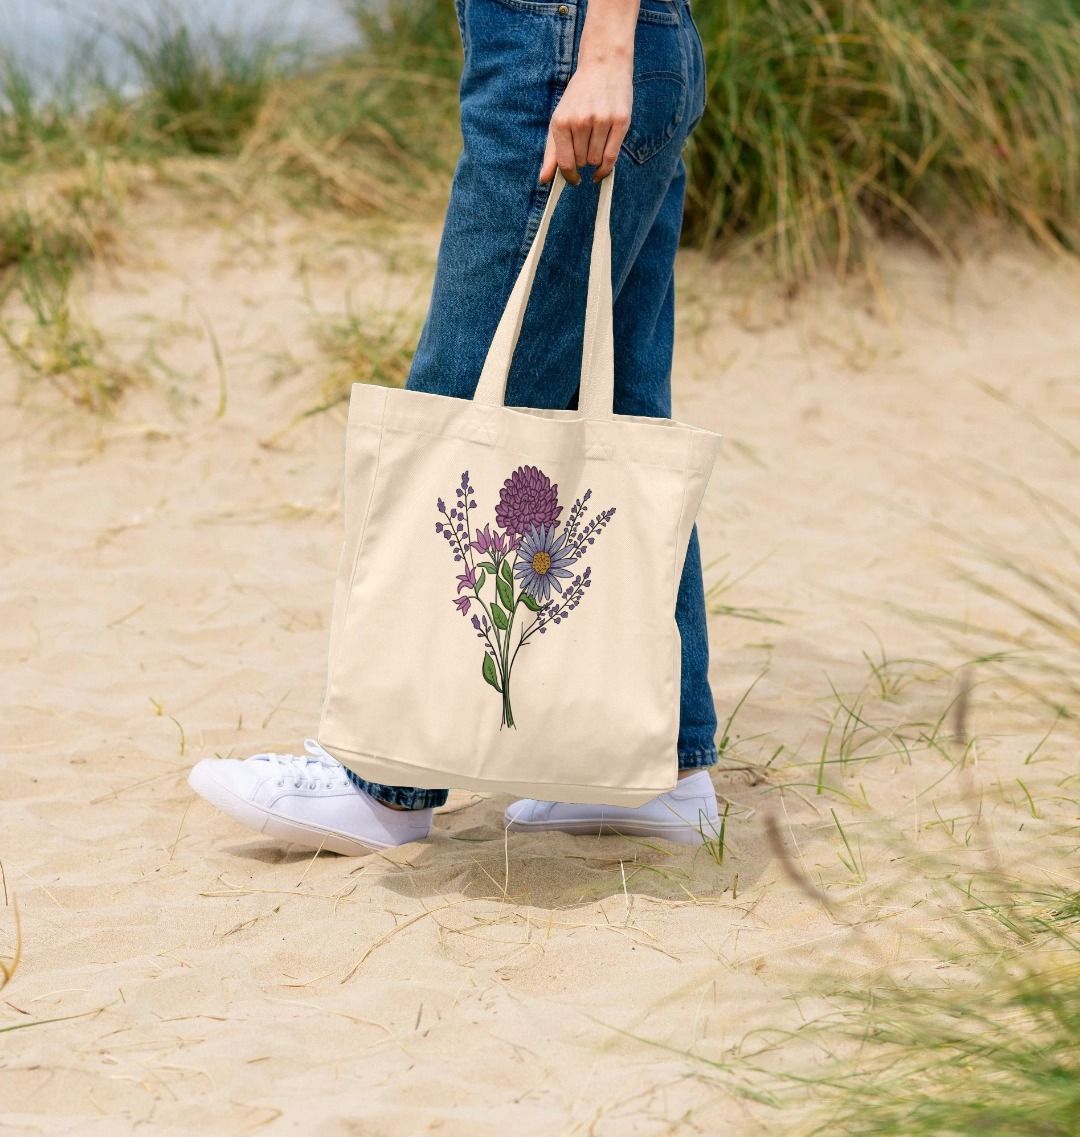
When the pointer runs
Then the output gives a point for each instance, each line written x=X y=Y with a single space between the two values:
x=541 y=562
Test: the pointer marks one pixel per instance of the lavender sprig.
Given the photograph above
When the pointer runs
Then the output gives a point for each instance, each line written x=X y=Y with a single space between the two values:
x=465 y=503
x=483 y=632
x=576 y=513
x=556 y=613
x=591 y=531
x=456 y=528
x=453 y=530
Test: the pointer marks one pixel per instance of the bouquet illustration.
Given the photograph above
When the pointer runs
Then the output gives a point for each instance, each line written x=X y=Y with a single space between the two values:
x=523 y=576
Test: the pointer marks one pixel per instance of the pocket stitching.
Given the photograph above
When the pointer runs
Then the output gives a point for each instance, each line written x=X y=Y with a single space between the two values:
x=534 y=7
x=648 y=148
x=665 y=19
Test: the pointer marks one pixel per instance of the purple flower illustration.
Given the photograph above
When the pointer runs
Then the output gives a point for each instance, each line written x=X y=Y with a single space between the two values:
x=494 y=544
x=527 y=498
x=467 y=579
x=524 y=561
x=542 y=561
x=556 y=613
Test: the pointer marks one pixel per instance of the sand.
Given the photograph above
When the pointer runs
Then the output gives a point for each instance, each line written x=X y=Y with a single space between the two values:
x=166 y=588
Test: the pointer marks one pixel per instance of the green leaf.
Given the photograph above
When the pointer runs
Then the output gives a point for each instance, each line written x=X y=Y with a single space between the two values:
x=499 y=616
x=530 y=603
x=486 y=565
x=490 y=675
x=506 y=594
x=480 y=580
x=507 y=571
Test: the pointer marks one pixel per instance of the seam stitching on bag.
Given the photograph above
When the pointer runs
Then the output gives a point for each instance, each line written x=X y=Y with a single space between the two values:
x=413 y=766
x=367 y=513
x=676 y=576
x=530 y=451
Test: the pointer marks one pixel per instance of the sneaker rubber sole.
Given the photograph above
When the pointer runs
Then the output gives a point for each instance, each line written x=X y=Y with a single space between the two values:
x=679 y=831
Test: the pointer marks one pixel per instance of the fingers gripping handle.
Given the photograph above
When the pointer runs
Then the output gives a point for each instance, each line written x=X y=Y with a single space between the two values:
x=597 y=392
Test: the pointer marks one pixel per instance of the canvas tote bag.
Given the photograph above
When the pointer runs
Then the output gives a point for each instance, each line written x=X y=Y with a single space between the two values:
x=504 y=610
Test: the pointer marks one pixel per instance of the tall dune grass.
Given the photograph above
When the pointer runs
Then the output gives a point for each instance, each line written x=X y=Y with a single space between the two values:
x=190 y=89
x=203 y=90
x=829 y=122
x=374 y=130
x=363 y=130
x=995 y=1050
x=945 y=1001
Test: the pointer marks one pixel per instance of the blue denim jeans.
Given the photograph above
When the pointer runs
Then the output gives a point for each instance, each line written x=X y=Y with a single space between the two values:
x=518 y=58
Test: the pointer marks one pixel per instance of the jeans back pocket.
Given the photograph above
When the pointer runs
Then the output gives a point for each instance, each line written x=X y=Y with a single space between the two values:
x=661 y=80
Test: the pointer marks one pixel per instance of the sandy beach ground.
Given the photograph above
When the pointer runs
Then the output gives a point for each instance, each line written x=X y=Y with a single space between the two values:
x=165 y=594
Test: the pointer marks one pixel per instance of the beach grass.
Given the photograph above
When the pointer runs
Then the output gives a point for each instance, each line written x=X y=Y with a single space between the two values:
x=366 y=350
x=203 y=91
x=360 y=350
x=1027 y=632
x=988 y=1046
x=58 y=347
x=963 y=1015
x=826 y=125
x=186 y=89
x=830 y=124
x=50 y=226
x=975 y=1027
x=373 y=130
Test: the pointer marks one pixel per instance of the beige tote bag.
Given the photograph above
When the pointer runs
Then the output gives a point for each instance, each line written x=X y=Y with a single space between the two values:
x=504 y=612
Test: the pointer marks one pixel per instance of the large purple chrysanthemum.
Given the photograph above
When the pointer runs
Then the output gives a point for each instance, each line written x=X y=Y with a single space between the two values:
x=542 y=564
x=527 y=498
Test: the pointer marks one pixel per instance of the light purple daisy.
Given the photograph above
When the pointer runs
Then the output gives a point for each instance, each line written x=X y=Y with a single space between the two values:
x=527 y=498
x=542 y=562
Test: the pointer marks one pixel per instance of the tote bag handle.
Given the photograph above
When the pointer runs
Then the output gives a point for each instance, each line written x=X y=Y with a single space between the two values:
x=596 y=397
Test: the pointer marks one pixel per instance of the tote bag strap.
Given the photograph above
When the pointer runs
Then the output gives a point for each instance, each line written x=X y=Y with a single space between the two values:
x=597 y=393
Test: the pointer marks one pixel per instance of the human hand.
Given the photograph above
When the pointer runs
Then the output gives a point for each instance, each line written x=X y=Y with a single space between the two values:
x=593 y=115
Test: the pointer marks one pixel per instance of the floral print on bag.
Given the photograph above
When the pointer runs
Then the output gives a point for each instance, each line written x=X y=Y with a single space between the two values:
x=527 y=562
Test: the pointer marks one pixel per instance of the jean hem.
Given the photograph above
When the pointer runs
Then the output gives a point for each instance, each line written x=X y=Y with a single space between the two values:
x=695 y=759
x=409 y=797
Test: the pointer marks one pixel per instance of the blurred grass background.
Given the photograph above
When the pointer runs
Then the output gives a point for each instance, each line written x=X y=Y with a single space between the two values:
x=829 y=123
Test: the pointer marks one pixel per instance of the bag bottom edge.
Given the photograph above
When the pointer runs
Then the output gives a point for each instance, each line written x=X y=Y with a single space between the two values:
x=390 y=771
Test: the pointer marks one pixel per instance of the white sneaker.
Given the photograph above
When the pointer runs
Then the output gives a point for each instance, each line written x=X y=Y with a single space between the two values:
x=308 y=800
x=688 y=813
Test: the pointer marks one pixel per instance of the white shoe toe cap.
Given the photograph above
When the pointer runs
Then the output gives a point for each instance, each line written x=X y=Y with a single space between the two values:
x=528 y=809
x=232 y=775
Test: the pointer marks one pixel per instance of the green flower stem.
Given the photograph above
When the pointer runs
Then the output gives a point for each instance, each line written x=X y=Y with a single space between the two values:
x=497 y=646
x=524 y=635
x=508 y=715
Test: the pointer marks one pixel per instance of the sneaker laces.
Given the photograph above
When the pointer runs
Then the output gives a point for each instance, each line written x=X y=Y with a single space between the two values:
x=308 y=767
